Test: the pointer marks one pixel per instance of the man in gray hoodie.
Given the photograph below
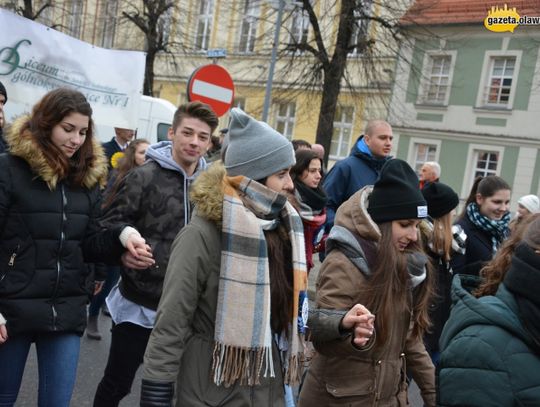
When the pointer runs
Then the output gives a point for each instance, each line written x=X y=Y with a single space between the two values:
x=154 y=199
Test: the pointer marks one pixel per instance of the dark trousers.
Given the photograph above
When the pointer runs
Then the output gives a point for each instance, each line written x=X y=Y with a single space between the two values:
x=128 y=344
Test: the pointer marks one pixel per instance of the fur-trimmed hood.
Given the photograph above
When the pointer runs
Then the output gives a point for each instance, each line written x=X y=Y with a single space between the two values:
x=22 y=144
x=207 y=193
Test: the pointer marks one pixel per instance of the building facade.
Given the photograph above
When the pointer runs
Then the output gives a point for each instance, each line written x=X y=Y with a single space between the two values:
x=470 y=98
x=245 y=30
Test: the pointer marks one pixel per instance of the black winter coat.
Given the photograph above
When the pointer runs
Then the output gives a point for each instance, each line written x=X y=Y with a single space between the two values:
x=478 y=250
x=48 y=230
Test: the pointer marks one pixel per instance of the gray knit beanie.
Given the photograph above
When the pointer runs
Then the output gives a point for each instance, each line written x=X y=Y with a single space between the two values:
x=255 y=150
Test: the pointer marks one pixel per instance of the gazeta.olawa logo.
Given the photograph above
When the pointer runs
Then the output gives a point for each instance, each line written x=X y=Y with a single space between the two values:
x=502 y=19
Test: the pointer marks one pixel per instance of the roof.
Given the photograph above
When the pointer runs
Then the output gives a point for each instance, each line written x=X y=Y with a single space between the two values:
x=438 y=12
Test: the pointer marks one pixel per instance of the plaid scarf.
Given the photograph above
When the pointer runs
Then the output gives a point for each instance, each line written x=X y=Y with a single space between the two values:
x=498 y=229
x=243 y=336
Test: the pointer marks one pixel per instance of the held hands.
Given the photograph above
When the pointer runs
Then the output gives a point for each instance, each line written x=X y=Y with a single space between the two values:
x=138 y=254
x=361 y=322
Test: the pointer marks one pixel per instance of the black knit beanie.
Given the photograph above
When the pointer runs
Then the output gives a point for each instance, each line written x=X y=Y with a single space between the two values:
x=3 y=90
x=440 y=198
x=396 y=194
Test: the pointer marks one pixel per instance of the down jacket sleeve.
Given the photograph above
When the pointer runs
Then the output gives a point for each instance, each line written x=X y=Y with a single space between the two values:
x=338 y=285
x=101 y=245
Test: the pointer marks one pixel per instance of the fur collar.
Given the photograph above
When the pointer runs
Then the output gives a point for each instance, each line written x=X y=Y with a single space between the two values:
x=207 y=193
x=22 y=144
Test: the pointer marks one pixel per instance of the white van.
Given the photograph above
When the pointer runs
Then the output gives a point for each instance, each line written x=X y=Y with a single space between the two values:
x=155 y=118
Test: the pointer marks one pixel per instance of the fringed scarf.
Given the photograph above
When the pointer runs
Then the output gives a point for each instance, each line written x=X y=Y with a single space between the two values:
x=498 y=229
x=243 y=336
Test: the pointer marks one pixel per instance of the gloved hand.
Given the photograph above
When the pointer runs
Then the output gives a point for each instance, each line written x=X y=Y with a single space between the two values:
x=154 y=394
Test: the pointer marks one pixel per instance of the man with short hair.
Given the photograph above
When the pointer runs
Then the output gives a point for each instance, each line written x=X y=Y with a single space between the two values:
x=360 y=168
x=430 y=172
x=3 y=100
x=118 y=143
x=154 y=199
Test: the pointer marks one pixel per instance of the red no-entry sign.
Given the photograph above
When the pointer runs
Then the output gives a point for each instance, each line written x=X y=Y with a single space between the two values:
x=213 y=85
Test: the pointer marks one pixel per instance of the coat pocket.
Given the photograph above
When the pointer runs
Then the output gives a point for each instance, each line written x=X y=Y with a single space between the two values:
x=357 y=386
x=17 y=268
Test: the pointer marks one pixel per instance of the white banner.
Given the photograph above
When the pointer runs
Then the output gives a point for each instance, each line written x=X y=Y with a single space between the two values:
x=35 y=59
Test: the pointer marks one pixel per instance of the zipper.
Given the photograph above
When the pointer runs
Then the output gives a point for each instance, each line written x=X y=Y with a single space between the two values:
x=58 y=264
x=11 y=261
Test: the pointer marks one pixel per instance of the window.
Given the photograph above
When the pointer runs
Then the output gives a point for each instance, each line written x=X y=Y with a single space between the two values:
x=423 y=153
x=343 y=126
x=163 y=131
x=248 y=29
x=75 y=18
x=239 y=103
x=485 y=163
x=499 y=83
x=109 y=8
x=204 y=24
x=438 y=77
x=46 y=17
x=165 y=23
x=361 y=26
x=284 y=118
x=299 y=26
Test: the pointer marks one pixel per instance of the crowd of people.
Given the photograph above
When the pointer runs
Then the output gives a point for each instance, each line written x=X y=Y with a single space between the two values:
x=199 y=248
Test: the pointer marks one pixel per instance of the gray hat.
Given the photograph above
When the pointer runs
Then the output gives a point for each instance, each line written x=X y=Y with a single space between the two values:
x=255 y=150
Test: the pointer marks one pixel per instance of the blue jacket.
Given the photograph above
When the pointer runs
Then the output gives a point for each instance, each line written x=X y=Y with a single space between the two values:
x=348 y=176
x=487 y=356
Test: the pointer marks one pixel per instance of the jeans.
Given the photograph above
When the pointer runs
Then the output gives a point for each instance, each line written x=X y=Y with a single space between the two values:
x=58 y=354
x=113 y=274
x=128 y=344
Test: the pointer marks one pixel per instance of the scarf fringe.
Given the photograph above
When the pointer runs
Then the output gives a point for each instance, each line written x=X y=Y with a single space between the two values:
x=231 y=363
x=295 y=370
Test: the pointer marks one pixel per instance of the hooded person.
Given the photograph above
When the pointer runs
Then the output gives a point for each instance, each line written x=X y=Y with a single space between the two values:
x=491 y=345
x=154 y=197
x=230 y=325
x=372 y=299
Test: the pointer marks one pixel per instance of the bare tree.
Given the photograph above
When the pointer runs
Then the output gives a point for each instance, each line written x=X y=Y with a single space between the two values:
x=29 y=9
x=330 y=65
x=154 y=20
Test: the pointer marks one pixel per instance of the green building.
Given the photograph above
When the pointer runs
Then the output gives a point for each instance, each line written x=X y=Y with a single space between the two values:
x=468 y=97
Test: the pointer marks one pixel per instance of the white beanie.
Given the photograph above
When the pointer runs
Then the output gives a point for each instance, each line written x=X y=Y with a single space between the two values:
x=255 y=150
x=530 y=202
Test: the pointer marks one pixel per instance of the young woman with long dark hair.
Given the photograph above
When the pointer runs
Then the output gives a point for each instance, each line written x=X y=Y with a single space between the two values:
x=228 y=328
x=49 y=205
x=307 y=175
x=484 y=220
x=374 y=268
x=440 y=245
